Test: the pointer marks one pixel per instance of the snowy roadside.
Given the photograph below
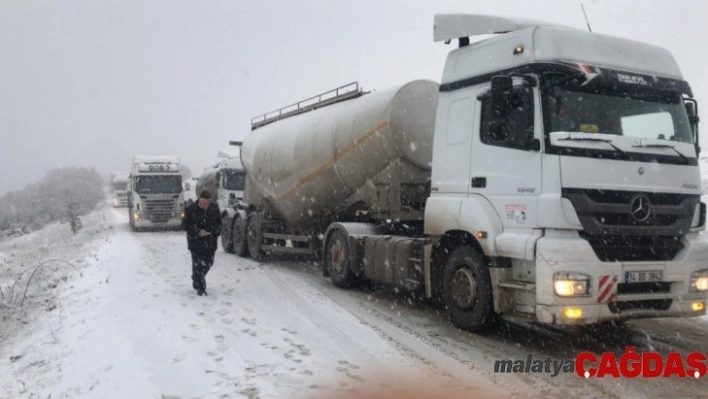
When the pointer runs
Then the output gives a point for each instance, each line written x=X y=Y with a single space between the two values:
x=35 y=270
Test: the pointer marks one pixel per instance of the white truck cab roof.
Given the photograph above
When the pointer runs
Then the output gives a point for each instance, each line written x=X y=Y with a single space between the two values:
x=525 y=42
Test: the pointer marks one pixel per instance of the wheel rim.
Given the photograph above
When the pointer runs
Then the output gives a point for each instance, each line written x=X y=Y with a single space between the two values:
x=464 y=288
x=336 y=257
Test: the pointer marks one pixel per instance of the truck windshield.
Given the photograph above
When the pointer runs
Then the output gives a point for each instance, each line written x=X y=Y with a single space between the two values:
x=607 y=111
x=158 y=184
x=234 y=180
x=120 y=186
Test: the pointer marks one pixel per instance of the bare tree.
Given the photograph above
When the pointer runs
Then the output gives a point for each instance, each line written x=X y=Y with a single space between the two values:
x=64 y=194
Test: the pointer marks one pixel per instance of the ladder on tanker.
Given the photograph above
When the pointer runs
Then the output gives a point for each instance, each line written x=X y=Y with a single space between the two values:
x=339 y=94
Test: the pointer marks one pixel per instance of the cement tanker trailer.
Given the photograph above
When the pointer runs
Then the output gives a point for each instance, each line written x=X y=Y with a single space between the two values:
x=368 y=155
x=349 y=159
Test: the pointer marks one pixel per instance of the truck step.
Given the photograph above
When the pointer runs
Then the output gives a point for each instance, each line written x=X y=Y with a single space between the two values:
x=518 y=285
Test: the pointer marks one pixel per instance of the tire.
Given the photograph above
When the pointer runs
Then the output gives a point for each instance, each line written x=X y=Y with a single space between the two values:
x=254 y=236
x=226 y=241
x=467 y=290
x=337 y=260
x=238 y=237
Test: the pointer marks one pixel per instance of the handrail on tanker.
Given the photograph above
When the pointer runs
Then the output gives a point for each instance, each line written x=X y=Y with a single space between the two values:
x=341 y=93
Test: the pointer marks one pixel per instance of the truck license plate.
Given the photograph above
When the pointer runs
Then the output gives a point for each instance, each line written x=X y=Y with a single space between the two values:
x=643 y=277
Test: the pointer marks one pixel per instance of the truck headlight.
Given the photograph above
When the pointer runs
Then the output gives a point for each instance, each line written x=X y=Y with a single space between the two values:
x=571 y=284
x=136 y=216
x=699 y=281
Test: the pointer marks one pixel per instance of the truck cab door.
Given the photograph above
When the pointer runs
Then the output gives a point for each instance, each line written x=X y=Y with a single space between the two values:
x=452 y=144
x=506 y=157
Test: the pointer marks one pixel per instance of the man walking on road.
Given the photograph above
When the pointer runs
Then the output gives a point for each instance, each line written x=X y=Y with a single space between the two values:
x=202 y=221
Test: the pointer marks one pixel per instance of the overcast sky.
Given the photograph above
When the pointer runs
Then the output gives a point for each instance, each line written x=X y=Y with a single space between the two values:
x=91 y=83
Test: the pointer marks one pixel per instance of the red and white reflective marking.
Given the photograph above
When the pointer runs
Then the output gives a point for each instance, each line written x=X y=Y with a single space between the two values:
x=607 y=289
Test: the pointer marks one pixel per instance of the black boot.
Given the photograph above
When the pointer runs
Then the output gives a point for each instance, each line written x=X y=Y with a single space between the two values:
x=201 y=286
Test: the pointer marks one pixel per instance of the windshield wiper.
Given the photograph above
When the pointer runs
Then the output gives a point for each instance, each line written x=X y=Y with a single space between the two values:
x=685 y=159
x=626 y=156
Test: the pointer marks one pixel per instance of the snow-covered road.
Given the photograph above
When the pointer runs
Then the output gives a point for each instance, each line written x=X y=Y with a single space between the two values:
x=132 y=326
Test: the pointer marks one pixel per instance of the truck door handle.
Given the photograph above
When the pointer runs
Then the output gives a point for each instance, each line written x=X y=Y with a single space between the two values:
x=479 y=182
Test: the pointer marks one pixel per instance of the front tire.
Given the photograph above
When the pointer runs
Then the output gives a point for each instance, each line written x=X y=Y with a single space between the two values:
x=467 y=290
x=338 y=260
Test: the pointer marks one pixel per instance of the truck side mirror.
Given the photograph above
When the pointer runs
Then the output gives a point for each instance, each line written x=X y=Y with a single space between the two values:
x=692 y=111
x=499 y=103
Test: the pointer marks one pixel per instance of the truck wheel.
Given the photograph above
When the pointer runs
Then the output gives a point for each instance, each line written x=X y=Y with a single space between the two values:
x=338 y=261
x=467 y=290
x=254 y=236
x=226 y=241
x=238 y=233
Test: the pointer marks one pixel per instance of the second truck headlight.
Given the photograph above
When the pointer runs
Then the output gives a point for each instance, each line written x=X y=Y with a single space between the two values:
x=699 y=281
x=571 y=284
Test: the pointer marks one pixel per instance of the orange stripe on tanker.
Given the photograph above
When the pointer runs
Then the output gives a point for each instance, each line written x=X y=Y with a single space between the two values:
x=328 y=163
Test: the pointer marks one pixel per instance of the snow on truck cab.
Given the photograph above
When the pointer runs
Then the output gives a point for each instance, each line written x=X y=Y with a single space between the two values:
x=155 y=197
x=552 y=176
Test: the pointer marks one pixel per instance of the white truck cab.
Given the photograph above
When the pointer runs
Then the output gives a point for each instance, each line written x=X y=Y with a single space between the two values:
x=225 y=181
x=155 y=197
x=569 y=160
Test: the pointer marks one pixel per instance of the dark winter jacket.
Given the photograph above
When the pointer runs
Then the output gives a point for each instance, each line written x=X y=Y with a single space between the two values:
x=195 y=219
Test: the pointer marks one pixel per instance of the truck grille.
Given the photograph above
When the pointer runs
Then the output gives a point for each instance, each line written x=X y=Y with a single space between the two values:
x=633 y=226
x=613 y=248
x=159 y=210
x=643 y=288
x=608 y=212
x=652 y=304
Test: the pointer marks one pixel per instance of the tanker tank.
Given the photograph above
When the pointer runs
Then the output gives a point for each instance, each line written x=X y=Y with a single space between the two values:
x=307 y=166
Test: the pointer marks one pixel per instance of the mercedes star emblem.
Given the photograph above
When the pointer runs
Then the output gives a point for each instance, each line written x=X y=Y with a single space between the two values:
x=639 y=207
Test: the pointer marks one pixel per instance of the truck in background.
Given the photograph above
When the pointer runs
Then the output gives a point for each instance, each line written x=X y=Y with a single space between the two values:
x=155 y=196
x=552 y=176
x=225 y=181
x=119 y=189
x=189 y=190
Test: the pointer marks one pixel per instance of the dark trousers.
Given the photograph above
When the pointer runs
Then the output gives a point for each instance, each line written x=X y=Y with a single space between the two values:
x=201 y=263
